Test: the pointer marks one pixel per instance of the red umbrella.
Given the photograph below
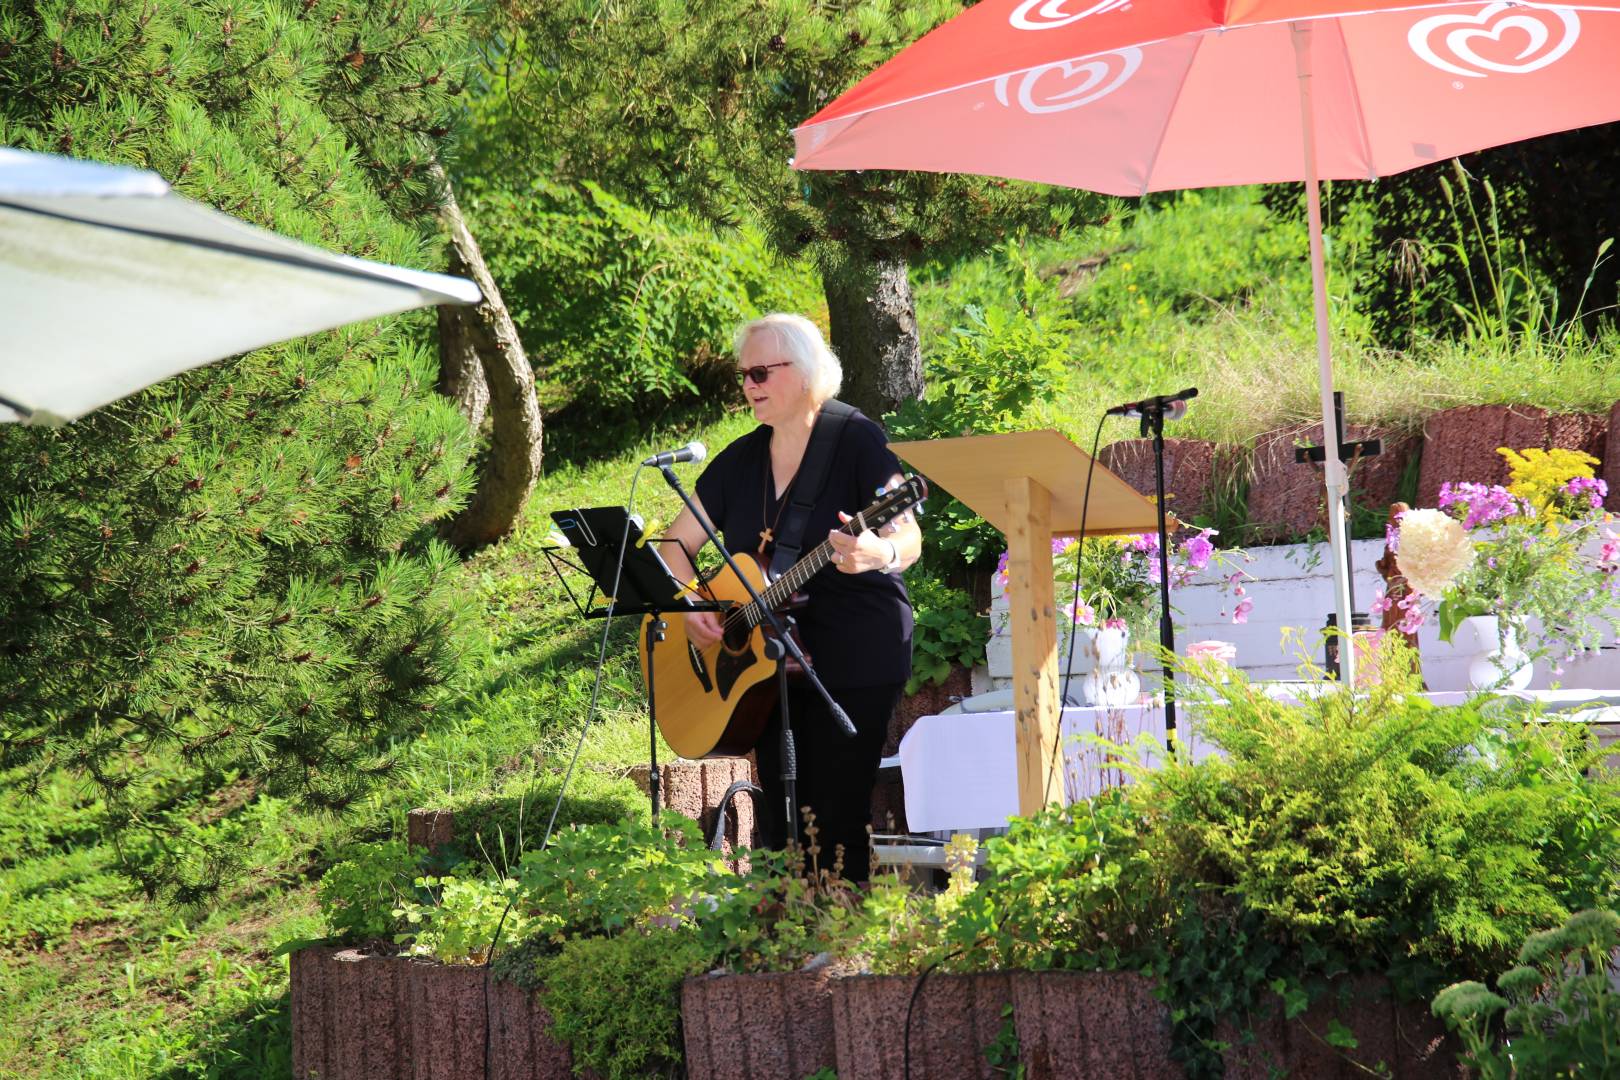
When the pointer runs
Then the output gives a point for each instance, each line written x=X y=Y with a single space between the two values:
x=1132 y=96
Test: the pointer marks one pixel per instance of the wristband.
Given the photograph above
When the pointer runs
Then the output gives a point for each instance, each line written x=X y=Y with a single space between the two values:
x=894 y=556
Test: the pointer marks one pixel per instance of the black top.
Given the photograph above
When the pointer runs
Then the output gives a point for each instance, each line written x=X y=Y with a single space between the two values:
x=856 y=627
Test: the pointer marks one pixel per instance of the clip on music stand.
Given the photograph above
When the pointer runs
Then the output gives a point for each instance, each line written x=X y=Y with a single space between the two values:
x=646 y=586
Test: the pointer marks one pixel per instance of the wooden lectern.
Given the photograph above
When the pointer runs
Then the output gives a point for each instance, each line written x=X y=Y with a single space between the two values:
x=1030 y=485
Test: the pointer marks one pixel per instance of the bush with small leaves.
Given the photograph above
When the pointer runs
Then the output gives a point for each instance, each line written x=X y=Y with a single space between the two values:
x=458 y=923
x=360 y=895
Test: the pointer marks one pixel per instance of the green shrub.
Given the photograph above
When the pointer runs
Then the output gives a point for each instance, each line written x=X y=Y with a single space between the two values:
x=459 y=922
x=1073 y=889
x=1367 y=833
x=618 y=306
x=983 y=380
x=359 y=895
x=947 y=632
x=1562 y=1009
x=616 y=1001
x=903 y=932
x=1382 y=825
x=788 y=909
x=603 y=879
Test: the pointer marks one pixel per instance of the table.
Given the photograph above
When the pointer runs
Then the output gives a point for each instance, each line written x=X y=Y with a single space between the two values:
x=960 y=771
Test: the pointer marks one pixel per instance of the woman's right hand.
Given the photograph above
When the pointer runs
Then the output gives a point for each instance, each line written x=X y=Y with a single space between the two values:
x=702 y=628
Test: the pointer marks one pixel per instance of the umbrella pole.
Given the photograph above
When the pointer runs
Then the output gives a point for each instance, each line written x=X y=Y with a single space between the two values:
x=1332 y=466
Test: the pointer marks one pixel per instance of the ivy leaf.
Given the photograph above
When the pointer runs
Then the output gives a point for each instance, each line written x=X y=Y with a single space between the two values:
x=1340 y=1036
x=1295 y=1001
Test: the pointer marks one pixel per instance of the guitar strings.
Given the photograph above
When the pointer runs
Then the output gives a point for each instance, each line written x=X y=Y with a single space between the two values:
x=744 y=612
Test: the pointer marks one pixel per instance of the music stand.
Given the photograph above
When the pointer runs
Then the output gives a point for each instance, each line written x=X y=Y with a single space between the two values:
x=646 y=586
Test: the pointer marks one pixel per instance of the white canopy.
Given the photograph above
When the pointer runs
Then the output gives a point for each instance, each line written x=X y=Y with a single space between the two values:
x=110 y=282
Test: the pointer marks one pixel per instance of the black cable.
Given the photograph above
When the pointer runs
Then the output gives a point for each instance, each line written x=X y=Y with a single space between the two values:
x=568 y=775
x=916 y=991
x=1079 y=563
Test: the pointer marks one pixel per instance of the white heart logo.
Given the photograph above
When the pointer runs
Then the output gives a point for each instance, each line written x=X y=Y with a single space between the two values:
x=1455 y=51
x=1049 y=14
x=1098 y=77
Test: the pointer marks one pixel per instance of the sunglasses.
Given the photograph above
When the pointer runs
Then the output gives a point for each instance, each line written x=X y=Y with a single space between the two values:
x=760 y=372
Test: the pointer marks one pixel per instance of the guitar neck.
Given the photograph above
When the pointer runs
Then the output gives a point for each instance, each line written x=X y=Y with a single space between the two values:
x=782 y=589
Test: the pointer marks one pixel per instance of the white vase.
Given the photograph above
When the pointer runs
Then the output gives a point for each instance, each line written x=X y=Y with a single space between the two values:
x=1112 y=682
x=1499 y=664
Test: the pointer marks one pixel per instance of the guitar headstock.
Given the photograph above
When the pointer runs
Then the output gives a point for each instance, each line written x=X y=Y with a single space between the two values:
x=895 y=501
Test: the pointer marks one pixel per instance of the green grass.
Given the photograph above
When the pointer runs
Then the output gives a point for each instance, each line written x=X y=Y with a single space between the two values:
x=99 y=983
x=1210 y=290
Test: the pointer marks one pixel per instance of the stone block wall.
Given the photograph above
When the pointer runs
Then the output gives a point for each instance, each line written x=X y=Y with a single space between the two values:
x=1285 y=497
x=363 y=1016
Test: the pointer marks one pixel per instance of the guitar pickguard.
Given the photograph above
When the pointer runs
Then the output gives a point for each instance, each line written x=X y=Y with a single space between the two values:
x=699 y=668
x=732 y=662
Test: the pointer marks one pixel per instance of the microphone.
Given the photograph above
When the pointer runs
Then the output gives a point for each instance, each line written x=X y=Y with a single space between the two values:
x=1174 y=406
x=692 y=451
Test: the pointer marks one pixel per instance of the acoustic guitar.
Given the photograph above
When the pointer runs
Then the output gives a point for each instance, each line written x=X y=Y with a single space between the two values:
x=717 y=700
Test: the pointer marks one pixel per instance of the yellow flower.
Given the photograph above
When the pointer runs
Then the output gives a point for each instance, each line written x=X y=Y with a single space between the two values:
x=1538 y=476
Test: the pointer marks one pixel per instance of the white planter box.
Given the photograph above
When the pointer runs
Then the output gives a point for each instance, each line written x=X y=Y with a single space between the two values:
x=1292 y=593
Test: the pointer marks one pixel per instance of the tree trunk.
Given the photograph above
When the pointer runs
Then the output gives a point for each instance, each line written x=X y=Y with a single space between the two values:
x=461 y=374
x=513 y=463
x=874 y=332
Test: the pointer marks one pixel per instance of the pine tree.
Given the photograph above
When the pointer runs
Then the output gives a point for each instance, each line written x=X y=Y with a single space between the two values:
x=694 y=104
x=234 y=570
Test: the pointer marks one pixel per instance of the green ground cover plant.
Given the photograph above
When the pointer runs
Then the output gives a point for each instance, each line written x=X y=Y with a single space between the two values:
x=1561 y=1013
x=1367 y=834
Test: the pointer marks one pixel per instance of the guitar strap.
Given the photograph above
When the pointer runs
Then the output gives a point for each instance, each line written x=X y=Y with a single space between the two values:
x=812 y=479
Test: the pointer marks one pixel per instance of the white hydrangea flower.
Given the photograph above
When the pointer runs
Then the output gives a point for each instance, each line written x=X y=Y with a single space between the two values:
x=1434 y=550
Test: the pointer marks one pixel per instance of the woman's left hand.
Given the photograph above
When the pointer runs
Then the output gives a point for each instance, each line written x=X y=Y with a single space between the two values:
x=859 y=553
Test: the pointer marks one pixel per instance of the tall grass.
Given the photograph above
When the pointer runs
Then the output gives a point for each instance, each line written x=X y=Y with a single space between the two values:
x=1210 y=290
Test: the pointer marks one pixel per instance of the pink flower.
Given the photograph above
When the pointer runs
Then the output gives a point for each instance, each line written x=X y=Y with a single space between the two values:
x=1199 y=550
x=1412 y=620
x=1381 y=603
x=1610 y=552
x=1481 y=504
x=1081 y=614
x=1240 y=614
x=1595 y=490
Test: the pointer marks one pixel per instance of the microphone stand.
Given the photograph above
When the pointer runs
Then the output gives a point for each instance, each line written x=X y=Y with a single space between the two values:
x=783 y=640
x=1153 y=423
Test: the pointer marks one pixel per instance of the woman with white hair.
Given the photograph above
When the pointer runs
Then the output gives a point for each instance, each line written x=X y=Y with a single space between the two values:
x=856 y=626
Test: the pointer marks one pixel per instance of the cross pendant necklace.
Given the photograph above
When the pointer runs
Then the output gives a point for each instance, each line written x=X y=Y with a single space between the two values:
x=768 y=534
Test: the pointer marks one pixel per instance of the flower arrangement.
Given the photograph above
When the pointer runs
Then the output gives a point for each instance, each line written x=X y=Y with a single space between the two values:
x=1119 y=578
x=1518 y=552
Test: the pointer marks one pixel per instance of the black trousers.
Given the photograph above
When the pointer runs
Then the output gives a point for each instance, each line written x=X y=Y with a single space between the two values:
x=835 y=772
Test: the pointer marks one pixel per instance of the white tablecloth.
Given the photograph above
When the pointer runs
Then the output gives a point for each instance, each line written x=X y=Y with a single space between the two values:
x=961 y=771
